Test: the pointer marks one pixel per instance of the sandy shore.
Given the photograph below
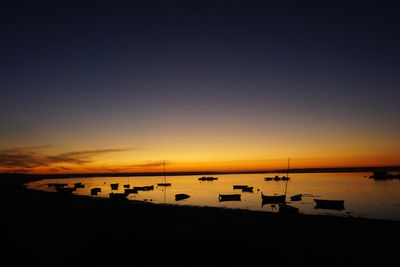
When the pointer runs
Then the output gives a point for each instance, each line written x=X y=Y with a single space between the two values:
x=48 y=228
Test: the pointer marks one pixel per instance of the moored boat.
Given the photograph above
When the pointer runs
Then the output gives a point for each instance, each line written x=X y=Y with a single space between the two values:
x=229 y=197
x=79 y=185
x=208 y=178
x=297 y=197
x=273 y=199
x=114 y=186
x=95 y=190
x=240 y=186
x=181 y=197
x=248 y=189
x=144 y=188
x=329 y=204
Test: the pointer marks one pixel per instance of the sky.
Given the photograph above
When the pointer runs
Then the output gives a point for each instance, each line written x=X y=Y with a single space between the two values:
x=204 y=86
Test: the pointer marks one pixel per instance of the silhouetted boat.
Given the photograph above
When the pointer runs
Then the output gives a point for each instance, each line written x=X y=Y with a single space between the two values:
x=79 y=185
x=296 y=197
x=114 y=186
x=247 y=189
x=329 y=204
x=59 y=185
x=273 y=199
x=268 y=178
x=208 y=178
x=165 y=179
x=181 y=196
x=118 y=196
x=277 y=178
x=131 y=191
x=283 y=207
x=240 y=186
x=285 y=178
x=231 y=197
x=95 y=190
x=127 y=185
x=65 y=190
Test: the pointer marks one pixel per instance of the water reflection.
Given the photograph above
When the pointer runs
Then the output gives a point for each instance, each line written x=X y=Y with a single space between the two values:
x=363 y=196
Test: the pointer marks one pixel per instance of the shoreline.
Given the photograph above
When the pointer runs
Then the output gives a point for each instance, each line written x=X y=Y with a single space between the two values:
x=60 y=230
x=302 y=170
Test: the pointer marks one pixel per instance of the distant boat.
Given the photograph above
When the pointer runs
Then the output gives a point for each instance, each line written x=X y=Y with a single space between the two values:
x=165 y=179
x=127 y=185
x=285 y=208
x=79 y=185
x=248 y=189
x=285 y=178
x=296 y=197
x=240 y=186
x=277 y=178
x=95 y=190
x=329 y=204
x=273 y=199
x=118 y=196
x=59 y=185
x=114 y=186
x=181 y=196
x=231 y=197
x=208 y=178
x=131 y=191
x=268 y=178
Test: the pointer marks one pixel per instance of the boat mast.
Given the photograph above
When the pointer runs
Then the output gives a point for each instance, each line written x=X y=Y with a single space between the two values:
x=287 y=175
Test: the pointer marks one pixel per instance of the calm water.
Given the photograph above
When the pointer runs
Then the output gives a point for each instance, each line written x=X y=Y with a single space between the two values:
x=363 y=197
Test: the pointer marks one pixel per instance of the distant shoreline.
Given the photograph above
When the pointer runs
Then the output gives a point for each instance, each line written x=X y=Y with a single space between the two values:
x=304 y=170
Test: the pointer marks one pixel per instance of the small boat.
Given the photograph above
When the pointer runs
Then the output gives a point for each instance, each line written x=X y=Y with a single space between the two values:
x=95 y=190
x=144 y=188
x=329 y=204
x=79 y=185
x=231 y=197
x=296 y=197
x=273 y=199
x=240 y=186
x=114 y=186
x=248 y=189
x=208 y=178
x=285 y=178
x=130 y=191
x=127 y=185
x=283 y=207
x=118 y=196
x=181 y=196
x=65 y=190
x=277 y=178
x=268 y=178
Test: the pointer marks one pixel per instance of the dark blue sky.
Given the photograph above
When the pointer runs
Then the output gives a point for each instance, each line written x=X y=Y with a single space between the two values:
x=315 y=64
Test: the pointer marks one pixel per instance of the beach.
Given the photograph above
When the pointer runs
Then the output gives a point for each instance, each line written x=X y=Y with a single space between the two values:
x=66 y=230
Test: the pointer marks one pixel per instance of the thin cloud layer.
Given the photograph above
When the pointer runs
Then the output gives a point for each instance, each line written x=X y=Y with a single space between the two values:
x=34 y=157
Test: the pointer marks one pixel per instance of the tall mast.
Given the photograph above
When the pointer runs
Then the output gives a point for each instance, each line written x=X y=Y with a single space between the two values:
x=287 y=175
x=164 y=172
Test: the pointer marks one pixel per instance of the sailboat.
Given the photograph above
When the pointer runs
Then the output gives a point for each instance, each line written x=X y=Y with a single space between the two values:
x=165 y=182
x=266 y=199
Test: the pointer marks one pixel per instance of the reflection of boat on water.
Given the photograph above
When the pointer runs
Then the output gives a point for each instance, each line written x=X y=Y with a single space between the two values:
x=181 y=196
x=273 y=199
x=144 y=188
x=95 y=190
x=114 y=186
x=329 y=204
x=208 y=178
x=229 y=197
x=297 y=197
x=118 y=196
x=165 y=179
x=283 y=207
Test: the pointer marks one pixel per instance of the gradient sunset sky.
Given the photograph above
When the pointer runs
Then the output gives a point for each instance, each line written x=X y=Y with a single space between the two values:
x=205 y=86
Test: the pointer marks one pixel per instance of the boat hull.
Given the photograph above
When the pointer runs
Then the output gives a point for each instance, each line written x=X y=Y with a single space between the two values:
x=273 y=199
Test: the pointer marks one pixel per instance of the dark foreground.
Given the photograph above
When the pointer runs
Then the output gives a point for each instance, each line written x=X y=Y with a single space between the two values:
x=51 y=229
